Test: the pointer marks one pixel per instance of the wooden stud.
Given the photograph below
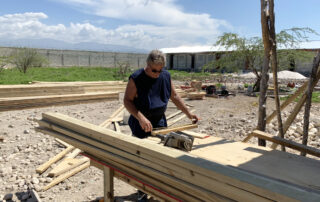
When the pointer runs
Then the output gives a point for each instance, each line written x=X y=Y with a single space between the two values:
x=287 y=143
x=173 y=129
x=173 y=114
x=56 y=158
x=195 y=134
x=108 y=184
x=170 y=123
x=66 y=175
x=66 y=165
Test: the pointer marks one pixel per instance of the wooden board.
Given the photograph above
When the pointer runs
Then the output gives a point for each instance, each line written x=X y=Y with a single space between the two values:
x=66 y=165
x=7 y=104
x=173 y=129
x=279 y=165
x=54 y=159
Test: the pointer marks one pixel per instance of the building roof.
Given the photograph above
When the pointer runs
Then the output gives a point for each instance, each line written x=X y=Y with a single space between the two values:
x=204 y=49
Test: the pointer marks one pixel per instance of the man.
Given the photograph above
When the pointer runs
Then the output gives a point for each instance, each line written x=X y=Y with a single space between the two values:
x=146 y=98
x=147 y=94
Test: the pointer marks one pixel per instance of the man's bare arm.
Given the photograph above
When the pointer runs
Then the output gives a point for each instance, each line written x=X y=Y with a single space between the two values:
x=176 y=99
x=128 y=101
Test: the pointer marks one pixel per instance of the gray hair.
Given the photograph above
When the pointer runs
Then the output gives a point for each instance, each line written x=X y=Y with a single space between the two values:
x=156 y=57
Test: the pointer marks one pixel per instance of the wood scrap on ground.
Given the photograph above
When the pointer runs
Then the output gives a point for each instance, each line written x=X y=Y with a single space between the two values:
x=56 y=158
x=66 y=165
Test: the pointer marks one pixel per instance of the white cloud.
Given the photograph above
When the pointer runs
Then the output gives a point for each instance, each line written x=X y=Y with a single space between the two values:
x=161 y=24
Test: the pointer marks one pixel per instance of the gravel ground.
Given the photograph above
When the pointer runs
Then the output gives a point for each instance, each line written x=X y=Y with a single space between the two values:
x=23 y=149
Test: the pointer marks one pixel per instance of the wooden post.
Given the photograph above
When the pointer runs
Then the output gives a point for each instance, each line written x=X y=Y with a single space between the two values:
x=265 y=19
x=313 y=77
x=108 y=184
x=274 y=67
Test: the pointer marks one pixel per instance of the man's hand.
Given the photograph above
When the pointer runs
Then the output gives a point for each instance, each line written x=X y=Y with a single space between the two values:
x=145 y=124
x=194 y=118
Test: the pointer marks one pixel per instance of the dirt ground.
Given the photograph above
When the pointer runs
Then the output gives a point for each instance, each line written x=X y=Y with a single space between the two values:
x=24 y=149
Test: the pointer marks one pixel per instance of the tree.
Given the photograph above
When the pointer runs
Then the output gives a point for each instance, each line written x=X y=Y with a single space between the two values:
x=25 y=58
x=3 y=62
x=249 y=52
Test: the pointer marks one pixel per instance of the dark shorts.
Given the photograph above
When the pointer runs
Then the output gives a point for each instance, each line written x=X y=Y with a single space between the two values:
x=137 y=130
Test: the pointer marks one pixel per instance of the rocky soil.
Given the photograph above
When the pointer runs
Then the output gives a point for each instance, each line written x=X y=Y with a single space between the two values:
x=24 y=149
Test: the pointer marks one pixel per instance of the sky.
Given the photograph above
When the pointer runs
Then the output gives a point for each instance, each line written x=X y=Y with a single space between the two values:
x=148 y=24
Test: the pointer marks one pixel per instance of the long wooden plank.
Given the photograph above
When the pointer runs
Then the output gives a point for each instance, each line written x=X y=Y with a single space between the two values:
x=159 y=165
x=74 y=153
x=195 y=134
x=258 y=185
x=173 y=129
x=107 y=122
x=56 y=158
x=173 y=114
x=170 y=123
x=66 y=165
x=287 y=143
x=66 y=175
x=61 y=142
x=40 y=101
x=288 y=101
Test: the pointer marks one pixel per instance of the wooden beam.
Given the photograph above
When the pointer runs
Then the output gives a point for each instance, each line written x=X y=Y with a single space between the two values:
x=297 y=108
x=74 y=153
x=170 y=123
x=61 y=142
x=66 y=165
x=173 y=114
x=288 y=101
x=66 y=175
x=246 y=139
x=108 y=184
x=287 y=143
x=56 y=158
x=194 y=134
x=173 y=129
x=107 y=122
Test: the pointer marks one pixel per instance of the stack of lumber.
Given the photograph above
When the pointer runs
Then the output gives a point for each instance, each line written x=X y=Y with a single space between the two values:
x=69 y=165
x=176 y=175
x=44 y=94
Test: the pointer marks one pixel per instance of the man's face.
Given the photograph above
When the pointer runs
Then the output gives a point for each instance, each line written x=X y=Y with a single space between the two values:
x=154 y=70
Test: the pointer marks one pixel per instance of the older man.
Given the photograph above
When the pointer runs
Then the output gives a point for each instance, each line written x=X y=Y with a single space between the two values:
x=146 y=98
x=147 y=94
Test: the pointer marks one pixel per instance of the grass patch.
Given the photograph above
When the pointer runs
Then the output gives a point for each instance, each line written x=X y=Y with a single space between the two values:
x=315 y=97
x=184 y=75
x=13 y=76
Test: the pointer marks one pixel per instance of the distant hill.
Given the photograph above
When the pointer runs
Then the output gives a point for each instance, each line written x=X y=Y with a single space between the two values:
x=61 y=45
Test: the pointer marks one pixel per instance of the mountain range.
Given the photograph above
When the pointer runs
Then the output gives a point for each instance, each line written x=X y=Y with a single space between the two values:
x=61 y=45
